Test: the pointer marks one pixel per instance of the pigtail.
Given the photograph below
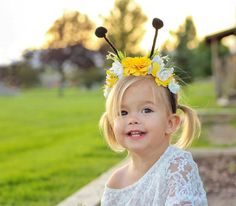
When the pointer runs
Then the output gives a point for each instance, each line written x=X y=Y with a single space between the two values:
x=106 y=128
x=190 y=127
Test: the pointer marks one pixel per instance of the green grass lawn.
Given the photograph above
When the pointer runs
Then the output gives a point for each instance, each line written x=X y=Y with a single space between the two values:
x=201 y=96
x=51 y=146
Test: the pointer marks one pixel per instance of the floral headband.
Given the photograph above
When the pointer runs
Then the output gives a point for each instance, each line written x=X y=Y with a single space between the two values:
x=152 y=64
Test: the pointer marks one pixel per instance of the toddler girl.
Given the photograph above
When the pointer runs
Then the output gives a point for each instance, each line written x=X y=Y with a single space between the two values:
x=141 y=115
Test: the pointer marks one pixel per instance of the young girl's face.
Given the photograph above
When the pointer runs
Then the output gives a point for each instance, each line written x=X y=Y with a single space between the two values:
x=143 y=125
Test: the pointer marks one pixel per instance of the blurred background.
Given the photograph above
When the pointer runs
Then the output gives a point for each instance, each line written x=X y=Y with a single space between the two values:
x=52 y=70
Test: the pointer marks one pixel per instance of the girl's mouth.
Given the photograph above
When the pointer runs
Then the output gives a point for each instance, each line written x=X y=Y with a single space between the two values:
x=136 y=134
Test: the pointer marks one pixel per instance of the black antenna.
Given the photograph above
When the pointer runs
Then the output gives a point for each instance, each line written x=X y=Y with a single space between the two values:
x=101 y=33
x=157 y=24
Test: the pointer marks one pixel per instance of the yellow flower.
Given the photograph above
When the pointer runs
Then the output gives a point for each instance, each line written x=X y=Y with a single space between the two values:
x=111 y=78
x=163 y=83
x=137 y=66
x=155 y=68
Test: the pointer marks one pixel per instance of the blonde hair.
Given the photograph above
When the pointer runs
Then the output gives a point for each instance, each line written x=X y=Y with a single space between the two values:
x=190 y=124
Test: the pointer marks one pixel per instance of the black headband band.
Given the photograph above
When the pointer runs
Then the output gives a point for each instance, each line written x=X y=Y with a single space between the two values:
x=173 y=102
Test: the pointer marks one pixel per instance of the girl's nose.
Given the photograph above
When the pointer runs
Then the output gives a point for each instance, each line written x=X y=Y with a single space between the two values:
x=133 y=120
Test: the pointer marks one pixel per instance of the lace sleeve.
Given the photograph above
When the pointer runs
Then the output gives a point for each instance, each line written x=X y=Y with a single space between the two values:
x=183 y=182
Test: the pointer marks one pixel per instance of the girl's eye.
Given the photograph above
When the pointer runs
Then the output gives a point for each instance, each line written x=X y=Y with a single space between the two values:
x=123 y=113
x=147 y=110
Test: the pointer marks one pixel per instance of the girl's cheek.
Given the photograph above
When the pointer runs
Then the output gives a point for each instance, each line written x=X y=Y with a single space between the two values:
x=117 y=124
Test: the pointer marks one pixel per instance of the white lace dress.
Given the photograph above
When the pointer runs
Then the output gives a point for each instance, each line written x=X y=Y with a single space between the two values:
x=173 y=180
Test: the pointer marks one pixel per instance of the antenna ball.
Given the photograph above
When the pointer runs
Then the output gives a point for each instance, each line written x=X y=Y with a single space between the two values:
x=157 y=23
x=101 y=32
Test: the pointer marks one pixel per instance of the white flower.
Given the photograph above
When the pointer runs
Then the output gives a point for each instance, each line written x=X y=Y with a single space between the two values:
x=158 y=59
x=165 y=74
x=174 y=87
x=117 y=69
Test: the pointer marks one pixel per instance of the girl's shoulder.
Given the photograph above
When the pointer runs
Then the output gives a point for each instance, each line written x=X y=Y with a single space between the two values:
x=179 y=155
x=180 y=161
x=116 y=179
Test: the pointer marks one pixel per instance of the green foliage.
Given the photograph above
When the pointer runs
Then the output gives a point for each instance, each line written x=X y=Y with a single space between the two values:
x=186 y=38
x=21 y=74
x=201 y=62
x=89 y=78
x=223 y=50
x=28 y=76
x=125 y=26
x=191 y=56
x=70 y=29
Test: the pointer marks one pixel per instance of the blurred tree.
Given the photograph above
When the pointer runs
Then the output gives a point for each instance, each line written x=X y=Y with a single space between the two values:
x=73 y=28
x=70 y=29
x=185 y=42
x=125 y=24
x=21 y=74
x=201 y=63
x=88 y=78
x=192 y=57
x=28 y=77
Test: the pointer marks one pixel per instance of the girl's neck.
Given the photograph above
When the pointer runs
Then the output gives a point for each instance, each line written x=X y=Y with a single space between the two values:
x=143 y=162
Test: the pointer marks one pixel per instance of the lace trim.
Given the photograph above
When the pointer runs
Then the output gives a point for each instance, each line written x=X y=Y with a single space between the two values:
x=173 y=180
x=152 y=168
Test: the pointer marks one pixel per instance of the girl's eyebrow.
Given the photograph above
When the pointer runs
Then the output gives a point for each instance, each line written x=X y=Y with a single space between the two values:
x=148 y=102
x=141 y=103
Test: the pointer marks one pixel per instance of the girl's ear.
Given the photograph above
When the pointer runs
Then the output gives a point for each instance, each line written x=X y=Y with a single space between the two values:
x=173 y=123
